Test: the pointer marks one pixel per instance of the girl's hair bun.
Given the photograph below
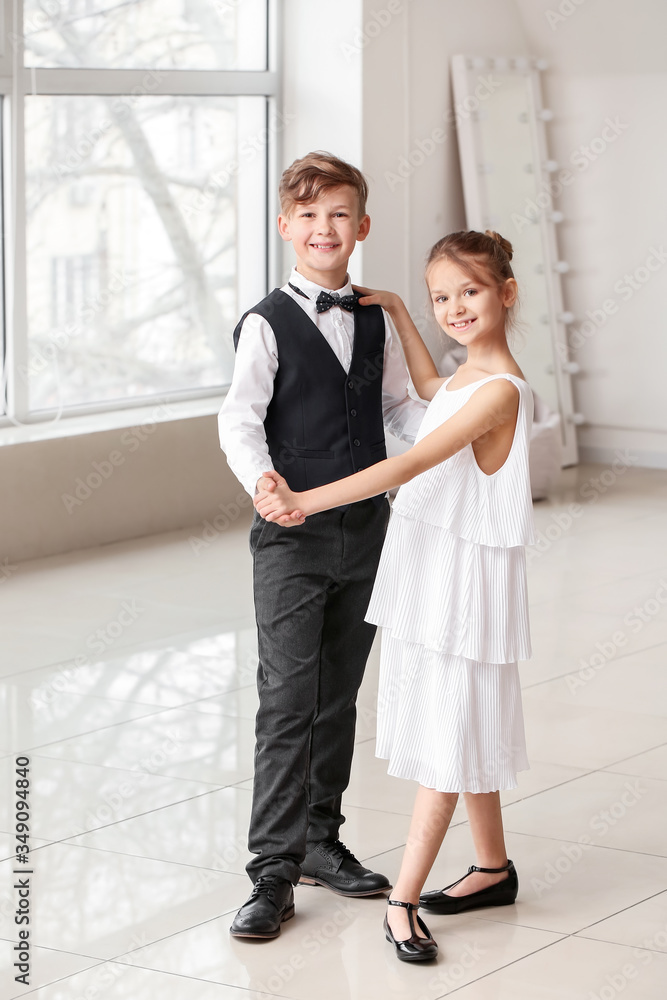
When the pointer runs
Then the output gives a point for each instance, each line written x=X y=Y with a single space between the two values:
x=501 y=241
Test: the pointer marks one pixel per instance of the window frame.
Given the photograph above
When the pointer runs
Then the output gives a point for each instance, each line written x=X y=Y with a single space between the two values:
x=18 y=82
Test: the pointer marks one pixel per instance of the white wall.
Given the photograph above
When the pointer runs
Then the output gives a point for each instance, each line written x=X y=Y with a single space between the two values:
x=607 y=60
x=407 y=108
x=64 y=494
x=322 y=88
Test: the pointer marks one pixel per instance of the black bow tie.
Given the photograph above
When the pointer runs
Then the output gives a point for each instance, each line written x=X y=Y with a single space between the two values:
x=325 y=300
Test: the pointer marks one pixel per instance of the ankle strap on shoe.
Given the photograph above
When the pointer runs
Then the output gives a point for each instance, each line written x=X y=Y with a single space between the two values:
x=490 y=871
x=399 y=902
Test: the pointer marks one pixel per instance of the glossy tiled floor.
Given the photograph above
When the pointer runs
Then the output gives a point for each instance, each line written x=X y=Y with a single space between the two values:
x=127 y=675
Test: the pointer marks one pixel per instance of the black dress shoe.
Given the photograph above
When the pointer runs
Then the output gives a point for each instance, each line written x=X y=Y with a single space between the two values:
x=415 y=948
x=332 y=865
x=270 y=904
x=501 y=894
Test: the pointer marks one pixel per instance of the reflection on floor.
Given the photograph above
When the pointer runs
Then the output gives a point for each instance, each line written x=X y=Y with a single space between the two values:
x=127 y=675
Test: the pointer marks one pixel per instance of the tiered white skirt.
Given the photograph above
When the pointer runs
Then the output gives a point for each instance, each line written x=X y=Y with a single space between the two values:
x=452 y=724
x=448 y=717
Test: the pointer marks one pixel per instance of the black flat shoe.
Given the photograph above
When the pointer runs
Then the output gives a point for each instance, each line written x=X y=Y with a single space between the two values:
x=501 y=894
x=415 y=948
x=332 y=865
x=271 y=903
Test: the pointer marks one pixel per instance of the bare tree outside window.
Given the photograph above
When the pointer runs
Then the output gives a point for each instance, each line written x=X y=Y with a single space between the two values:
x=146 y=34
x=135 y=202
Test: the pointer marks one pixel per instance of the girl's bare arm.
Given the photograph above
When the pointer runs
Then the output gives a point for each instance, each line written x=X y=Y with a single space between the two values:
x=491 y=405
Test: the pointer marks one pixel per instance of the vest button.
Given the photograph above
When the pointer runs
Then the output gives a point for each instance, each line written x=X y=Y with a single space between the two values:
x=350 y=384
x=356 y=442
x=353 y=413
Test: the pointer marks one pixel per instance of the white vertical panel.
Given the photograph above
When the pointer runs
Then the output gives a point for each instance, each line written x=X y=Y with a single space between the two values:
x=322 y=86
x=15 y=249
x=253 y=138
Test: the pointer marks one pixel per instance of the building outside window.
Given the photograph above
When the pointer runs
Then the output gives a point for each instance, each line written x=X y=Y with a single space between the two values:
x=138 y=158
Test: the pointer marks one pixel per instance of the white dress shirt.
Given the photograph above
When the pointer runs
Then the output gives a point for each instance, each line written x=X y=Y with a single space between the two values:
x=241 y=419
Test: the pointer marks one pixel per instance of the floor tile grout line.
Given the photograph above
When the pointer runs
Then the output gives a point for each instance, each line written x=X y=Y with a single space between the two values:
x=579 y=932
x=96 y=964
x=116 y=958
x=622 y=760
x=624 y=909
x=144 y=857
x=184 y=930
x=527 y=927
x=372 y=857
x=603 y=847
x=550 y=788
x=61 y=951
x=64 y=664
x=389 y=812
x=147 y=645
x=588 y=590
x=126 y=770
x=620 y=944
x=614 y=659
x=606 y=769
x=186 y=705
x=90 y=732
x=113 y=725
x=106 y=826
x=256 y=994
x=500 y=968
x=72 y=837
x=624 y=774
x=508 y=965
x=612 y=528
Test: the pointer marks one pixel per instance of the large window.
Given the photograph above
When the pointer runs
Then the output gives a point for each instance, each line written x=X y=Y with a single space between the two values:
x=139 y=134
x=146 y=34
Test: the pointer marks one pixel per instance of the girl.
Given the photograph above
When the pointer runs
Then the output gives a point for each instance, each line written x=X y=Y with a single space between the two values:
x=450 y=594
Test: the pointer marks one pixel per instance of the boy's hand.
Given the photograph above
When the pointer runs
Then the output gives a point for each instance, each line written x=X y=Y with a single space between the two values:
x=278 y=503
x=265 y=485
x=265 y=482
x=372 y=297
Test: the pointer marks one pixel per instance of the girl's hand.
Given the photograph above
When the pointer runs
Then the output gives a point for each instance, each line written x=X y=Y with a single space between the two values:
x=423 y=371
x=371 y=297
x=279 y=504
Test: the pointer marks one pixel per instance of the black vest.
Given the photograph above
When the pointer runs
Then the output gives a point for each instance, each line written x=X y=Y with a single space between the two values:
x=322 y=423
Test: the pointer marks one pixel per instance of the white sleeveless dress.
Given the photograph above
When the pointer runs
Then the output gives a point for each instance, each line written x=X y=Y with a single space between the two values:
x=450 y=596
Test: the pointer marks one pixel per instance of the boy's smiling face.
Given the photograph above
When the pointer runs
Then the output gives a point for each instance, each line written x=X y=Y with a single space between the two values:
x=324 y=234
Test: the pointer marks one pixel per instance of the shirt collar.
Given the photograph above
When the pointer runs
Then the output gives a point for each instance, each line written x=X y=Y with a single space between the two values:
x=312 y=290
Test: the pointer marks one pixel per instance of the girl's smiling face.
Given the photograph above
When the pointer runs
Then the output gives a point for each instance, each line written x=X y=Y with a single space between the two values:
x=468 y=308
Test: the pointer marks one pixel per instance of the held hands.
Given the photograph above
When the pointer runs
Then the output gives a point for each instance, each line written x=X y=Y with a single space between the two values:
x=276 y=502
x=265 y=484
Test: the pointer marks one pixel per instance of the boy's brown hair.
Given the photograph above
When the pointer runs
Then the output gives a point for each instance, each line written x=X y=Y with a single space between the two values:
x=308 y=178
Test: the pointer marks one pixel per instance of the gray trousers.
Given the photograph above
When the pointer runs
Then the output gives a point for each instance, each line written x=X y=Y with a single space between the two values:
x=312 y=585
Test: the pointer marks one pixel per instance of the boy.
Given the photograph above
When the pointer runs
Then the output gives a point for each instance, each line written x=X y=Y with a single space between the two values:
x=315 y=380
